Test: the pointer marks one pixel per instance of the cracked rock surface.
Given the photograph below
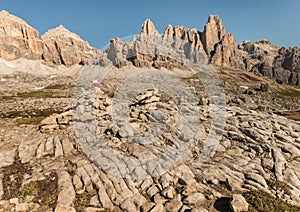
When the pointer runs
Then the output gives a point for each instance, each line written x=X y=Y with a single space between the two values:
x=44 y=167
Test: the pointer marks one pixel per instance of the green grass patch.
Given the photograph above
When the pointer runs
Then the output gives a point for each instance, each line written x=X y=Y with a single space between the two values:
x=45 y=191
x=44 y=94
x=30 y=120
x=57 y=87
x=279 y=185
x=288 y=93
x=83 y=200
x=12 y=178
x=262 y=201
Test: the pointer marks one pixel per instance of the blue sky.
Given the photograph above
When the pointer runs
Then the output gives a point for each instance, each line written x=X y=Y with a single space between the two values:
x=97 y=21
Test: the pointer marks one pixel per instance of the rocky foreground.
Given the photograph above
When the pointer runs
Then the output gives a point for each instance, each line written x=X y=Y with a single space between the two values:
x=255 y=167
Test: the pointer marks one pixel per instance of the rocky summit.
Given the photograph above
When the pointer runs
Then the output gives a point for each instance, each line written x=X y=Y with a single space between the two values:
x=58 y=46
x=135 y=128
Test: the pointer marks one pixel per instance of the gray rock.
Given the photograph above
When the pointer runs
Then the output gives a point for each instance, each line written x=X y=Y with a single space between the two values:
x=66 y=196
x=158 y=208
x=168 y=192
x=194 y=199
x=7 y=157
x=173 y=205
x=238 y=203
x=152 y=190
x=22 y=207
x=257 y=178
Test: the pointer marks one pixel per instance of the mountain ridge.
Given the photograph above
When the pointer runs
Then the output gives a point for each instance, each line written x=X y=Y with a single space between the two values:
x=59 y=46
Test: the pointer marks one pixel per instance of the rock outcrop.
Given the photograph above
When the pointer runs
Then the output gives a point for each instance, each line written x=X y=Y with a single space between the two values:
x=281 y=64
x=220 y=46
x=226 y=53
x=64 y=47
x=213 y=45
x=183 y=33
x=148 y=28
x=212 y=34
x=58 y=46
x=61 y=47
x=18 y=39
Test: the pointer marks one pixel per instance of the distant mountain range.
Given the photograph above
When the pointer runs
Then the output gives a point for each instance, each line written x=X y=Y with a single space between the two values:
x=61 y=47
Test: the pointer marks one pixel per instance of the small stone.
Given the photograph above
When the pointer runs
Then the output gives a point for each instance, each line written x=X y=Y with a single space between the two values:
x=147 y=206
x=92 y=209
x=146 y=183
x=63 y=208
x=168 y=192
x=126 y=131
x=95 y=201
x=159 y=199
x=173 y=205
x=152 y=191
x=7 y=157
x=238 y=203
x=189 y=189
x=14 y=201
x=22 y=207
x=215 y=181
x=158 y=208
x=194 y=199
x=128 y=205
x=1 y=186
x=4 y=204
x=204 y=101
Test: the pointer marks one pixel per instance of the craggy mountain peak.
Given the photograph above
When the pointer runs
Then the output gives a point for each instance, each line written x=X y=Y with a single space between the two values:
x=148 y=27
x=213 y=32
x=18 y=39
x=60 y=31
x=56 y=47
x=6 y=16
x=59 y=46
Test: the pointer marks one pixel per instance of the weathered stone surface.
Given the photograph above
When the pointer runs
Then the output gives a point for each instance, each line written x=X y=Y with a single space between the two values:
x=226 y=53
x=168 y=192
x=22 y=207
x=194 y=199
x=64 y=47
x=57 y=46
x=1 y=186
x=66 y=195
x=148 y=28
x=280 y=64
x=7 y=157
x=173 y=205
x=213 y=32
x=238 y=203
x=18 y=39
x=192 y=36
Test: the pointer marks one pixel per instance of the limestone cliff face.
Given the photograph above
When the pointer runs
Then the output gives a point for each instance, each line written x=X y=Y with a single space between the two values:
x=212 y=34
x=148 y=28
x=226 y=53
x=18 y=39
x=183 y=33
x=64 y=47
x=281 y=64
x=220 y=46
x=58 y=46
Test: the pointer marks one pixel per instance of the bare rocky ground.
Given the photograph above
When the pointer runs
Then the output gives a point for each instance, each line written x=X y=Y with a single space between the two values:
x=43 y=167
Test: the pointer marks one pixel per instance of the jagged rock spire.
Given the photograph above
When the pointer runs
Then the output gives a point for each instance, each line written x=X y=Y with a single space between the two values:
x=213 y=33
x=148 y=28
